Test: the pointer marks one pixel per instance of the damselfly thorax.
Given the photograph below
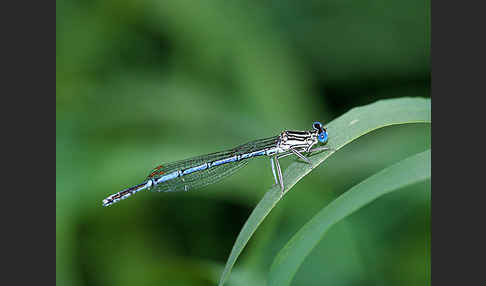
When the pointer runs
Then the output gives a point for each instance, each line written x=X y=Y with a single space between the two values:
x=297 y=140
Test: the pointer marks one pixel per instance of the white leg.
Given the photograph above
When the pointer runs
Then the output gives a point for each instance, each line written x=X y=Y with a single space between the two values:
x=320 y=149
x=279 y=172
x=273 y=170
x=284 y=155
x=300 y=156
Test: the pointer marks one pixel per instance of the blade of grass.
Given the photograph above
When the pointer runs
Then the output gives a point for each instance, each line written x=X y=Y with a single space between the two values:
x=410 y=171
x=344 y=129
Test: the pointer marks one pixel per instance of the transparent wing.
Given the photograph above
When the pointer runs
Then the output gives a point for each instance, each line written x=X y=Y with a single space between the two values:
x=208 y=176
x=201 y=178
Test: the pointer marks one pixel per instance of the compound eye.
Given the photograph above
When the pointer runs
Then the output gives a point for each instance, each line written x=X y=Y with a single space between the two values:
x=322 y=137
x=317 y=125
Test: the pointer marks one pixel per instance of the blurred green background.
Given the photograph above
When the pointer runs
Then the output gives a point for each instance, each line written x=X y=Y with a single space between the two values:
x=140 y=83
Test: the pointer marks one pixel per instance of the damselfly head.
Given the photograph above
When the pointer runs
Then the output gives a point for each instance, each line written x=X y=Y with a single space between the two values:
x=322 y=132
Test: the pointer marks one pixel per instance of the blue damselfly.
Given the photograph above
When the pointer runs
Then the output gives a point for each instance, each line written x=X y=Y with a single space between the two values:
x=207 y=169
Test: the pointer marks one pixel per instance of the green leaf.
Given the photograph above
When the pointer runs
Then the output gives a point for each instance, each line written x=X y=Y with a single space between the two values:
x=410 y=171
x=344 y=129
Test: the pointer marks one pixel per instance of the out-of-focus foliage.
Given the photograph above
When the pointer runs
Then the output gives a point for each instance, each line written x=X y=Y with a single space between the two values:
x=139 y=83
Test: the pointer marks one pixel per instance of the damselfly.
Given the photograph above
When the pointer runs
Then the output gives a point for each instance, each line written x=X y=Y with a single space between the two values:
x=207 y=169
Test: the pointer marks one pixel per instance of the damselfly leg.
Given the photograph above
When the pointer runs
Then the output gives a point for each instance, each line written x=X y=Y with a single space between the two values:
x=273 y=170
x=300 y=155
x=274 y=160
x=279 y=172
x=318 y=149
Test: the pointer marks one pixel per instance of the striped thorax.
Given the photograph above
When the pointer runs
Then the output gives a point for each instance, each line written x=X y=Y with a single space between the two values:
x=297 y=140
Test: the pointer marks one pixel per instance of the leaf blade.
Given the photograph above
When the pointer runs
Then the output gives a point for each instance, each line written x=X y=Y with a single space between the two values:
x=353 y=124
x=411 y=170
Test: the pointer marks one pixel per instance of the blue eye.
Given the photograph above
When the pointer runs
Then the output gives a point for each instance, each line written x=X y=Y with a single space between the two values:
x=322 y=137
x=317 y=125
